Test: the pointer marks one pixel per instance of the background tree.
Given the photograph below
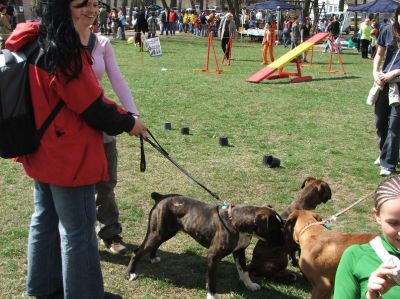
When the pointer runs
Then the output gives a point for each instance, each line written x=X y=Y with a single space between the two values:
x=306 y=9
x=231 y=6
x=124 y=5
x=172 y=3
x=341 y=5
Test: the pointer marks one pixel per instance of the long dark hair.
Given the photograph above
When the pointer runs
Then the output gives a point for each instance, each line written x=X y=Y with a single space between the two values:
x=396 y=26
x=59 y=39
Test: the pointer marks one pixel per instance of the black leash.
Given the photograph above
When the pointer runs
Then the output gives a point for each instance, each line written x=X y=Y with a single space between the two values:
x=154 y=143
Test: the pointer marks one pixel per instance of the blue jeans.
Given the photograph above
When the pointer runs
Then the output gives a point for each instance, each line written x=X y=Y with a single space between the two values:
x=62 y=245
x=388 y=130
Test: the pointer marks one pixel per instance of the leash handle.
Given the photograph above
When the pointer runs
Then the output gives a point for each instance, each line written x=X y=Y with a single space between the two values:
x=142 y=156
x=154 y=143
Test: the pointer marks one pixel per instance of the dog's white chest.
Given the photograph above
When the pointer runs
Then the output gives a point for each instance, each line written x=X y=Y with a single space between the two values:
x=243 y=242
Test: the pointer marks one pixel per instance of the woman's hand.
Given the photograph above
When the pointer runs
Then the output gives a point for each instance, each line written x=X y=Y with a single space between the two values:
x=379 y=282
x=386 y=78
x=139 y=129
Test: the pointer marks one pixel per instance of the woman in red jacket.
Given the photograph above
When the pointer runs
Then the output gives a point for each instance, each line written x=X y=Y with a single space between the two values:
x=63 y=258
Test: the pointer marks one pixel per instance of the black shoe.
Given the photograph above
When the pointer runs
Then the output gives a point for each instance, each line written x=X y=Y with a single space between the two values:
x=56 y=295
x=108 y=295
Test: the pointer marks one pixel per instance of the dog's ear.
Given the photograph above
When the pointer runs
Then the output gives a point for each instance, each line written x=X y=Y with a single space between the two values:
x=290 y=223
x=325 y=191
x=288 y=229
x=307 y=181
x=268 y=225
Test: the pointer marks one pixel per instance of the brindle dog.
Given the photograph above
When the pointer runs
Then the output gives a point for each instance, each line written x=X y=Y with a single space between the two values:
x=270 y=260
x=222 y=231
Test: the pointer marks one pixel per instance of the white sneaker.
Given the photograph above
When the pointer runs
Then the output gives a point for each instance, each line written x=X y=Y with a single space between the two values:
x=377 y=161
x=385 y=172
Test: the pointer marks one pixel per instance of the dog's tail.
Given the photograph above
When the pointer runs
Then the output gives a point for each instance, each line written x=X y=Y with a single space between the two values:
x=158 y=197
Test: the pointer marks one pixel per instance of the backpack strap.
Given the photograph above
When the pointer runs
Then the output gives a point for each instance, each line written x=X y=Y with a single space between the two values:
x=92 y=42
x=49 y=119
x=31 y=48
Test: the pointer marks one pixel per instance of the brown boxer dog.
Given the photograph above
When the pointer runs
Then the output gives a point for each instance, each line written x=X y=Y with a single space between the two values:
x=313 y=192
x=270 y=261
x=321 y=250
x=222 y=231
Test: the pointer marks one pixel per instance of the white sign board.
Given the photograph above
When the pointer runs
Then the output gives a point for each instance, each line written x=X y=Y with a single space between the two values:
x=154 y=46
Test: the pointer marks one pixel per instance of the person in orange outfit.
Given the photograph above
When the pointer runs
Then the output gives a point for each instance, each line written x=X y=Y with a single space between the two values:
x=268 y=43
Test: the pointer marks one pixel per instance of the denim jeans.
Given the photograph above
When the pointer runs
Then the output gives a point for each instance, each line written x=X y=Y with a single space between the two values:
x=62 y=245
x=388 y=130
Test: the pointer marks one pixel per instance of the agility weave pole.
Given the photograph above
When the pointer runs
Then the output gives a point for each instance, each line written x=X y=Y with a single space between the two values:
x=334 y=49
x=228 y=51
x=334 y=217
x=210 y=46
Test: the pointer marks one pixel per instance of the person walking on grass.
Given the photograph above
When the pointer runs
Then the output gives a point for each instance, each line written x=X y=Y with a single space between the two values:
x=268 y=43
x=296 y=33
x=226 y=29
x=104 y=61
x=152 y=25
x=63 y=257
x=387 y=114
x=365 y=37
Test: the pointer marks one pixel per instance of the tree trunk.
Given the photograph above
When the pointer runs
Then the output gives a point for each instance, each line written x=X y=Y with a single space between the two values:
x=172 y=3
x=124 y=5
x=306 y=9
x=193 y=4
x=180 y=5
x=341 y=5
x=116 y=3
x=231 y=7
x=164 y=4
x=201 y=4
x=131 y=6
x=236 y=15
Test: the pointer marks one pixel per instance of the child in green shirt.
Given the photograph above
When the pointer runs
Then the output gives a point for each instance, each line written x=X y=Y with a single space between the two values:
x=361 y=273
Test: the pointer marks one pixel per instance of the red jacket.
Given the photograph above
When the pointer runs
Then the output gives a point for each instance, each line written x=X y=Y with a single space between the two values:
x=71 y=151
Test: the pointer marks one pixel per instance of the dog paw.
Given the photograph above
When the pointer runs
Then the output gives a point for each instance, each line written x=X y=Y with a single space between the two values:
x=253 y=286
x=132 y=276
x=155 y=260
x=212 y=296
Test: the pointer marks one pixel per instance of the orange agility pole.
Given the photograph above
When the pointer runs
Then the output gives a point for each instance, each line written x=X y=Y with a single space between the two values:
x=210 y=46
x=291 y=56
x=228 y=51
x=309 y=63
x=334 y=49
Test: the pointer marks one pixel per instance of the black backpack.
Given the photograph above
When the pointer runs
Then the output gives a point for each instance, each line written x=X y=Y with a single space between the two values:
x=18 y=133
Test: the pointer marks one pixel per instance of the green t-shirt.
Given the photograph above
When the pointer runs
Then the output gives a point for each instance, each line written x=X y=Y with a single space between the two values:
x=355 y=267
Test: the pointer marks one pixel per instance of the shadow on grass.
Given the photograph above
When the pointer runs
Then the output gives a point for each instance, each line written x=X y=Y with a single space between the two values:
x=287 y=81
x=188 y=271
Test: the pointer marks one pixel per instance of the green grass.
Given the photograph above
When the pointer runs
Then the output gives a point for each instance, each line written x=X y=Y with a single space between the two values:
x=321 y=128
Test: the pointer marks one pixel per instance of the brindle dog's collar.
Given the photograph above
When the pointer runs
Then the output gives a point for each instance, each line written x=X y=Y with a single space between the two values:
x=231 y=206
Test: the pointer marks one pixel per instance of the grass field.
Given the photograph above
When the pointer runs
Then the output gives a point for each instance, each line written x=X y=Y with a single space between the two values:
x=321 y=128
